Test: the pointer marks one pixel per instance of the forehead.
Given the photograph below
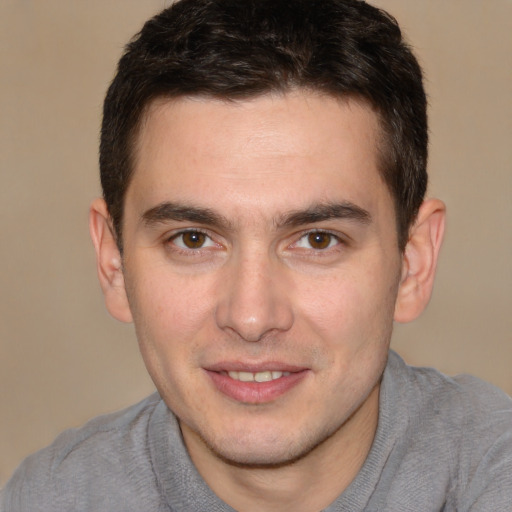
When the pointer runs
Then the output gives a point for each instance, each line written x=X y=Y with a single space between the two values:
x=273 y=149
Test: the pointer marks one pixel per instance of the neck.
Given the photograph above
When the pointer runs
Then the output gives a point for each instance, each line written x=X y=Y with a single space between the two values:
x=307 y=485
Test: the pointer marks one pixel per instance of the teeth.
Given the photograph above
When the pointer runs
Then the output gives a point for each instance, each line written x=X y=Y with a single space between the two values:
x=245 y=376
x=263 y=376
x=258 y=376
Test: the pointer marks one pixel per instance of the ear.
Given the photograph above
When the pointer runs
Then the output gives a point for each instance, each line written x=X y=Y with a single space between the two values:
x=108 y=261
x=420 y=261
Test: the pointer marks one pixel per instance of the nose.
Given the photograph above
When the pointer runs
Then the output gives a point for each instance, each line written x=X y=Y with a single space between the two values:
x=254 y=299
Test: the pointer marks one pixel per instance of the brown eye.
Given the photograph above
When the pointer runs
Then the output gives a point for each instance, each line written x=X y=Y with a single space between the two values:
x=192 y=240
x=319 y=240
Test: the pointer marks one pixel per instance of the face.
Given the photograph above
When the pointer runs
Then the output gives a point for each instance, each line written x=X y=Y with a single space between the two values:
x=261 y=268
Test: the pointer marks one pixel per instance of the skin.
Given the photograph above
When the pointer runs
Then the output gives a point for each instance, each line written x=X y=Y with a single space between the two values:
x=258 y=235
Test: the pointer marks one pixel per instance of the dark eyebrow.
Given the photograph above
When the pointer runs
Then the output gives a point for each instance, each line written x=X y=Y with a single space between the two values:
x=325 y=211
x=168 y=211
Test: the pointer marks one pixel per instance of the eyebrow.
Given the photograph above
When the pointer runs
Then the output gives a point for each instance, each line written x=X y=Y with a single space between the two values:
x=169 y=211
x=325 y=211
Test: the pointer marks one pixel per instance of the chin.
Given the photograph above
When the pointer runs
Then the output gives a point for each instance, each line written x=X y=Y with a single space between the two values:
x=254 y=450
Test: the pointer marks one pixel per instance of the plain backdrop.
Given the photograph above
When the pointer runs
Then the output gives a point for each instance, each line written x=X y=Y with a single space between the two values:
x=64 y=360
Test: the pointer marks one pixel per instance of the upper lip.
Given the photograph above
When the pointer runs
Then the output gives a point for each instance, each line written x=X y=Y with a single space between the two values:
x=237 y=366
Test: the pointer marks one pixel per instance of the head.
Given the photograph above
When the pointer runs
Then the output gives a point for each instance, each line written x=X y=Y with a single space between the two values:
x=234 y=50
x=263 y=165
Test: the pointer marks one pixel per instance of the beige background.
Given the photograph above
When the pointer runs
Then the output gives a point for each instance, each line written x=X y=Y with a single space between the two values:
x=63 y=360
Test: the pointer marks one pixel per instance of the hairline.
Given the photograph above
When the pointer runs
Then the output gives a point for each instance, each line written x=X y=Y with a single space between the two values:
x=383 y=139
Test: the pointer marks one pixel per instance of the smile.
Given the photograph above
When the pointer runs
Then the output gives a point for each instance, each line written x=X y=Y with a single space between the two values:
x=265 y=376
x=259 y=386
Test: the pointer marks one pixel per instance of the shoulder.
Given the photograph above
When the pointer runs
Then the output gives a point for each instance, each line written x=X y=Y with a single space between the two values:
x=485 y=447
x=96 y=455
x=460 y=426
x=463 y=398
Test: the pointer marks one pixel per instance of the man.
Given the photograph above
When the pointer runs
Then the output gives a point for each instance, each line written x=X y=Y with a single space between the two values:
x=263 y=224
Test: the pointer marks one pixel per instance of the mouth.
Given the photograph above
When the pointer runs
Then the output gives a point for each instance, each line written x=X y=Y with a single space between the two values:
x=265 y=376
x=256 y=385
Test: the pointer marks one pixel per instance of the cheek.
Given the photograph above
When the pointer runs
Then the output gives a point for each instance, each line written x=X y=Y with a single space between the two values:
x=332 y=303
x=351 y=307
x=171 y=315
x=172 y=303
x=169 y=322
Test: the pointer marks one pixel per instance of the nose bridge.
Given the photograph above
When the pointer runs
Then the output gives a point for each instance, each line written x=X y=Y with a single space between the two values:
x=253 y=301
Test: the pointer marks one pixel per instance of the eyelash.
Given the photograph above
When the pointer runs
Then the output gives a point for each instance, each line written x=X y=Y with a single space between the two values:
x=333 y=237
x=191 y=250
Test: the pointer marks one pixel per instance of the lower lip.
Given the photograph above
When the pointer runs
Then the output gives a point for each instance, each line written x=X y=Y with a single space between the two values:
x=255 y=392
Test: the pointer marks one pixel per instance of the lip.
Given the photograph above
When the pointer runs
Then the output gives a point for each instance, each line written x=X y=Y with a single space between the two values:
x=238 y=366
x=255 y=392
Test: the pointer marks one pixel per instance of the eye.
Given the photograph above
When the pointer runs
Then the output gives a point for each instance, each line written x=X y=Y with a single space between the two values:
x=318 y=240
x=191 y=240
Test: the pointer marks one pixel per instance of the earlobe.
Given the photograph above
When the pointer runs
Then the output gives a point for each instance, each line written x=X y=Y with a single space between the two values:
x=108 y=261
x=420 y=261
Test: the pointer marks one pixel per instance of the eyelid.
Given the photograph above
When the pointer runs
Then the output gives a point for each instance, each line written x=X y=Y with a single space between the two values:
x=340 y=239
x=169 y=238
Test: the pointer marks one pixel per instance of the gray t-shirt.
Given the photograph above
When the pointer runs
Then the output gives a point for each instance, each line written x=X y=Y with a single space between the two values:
x=442 y=444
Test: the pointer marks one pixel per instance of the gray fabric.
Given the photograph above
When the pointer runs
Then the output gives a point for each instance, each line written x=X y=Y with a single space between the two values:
x=442 y=444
